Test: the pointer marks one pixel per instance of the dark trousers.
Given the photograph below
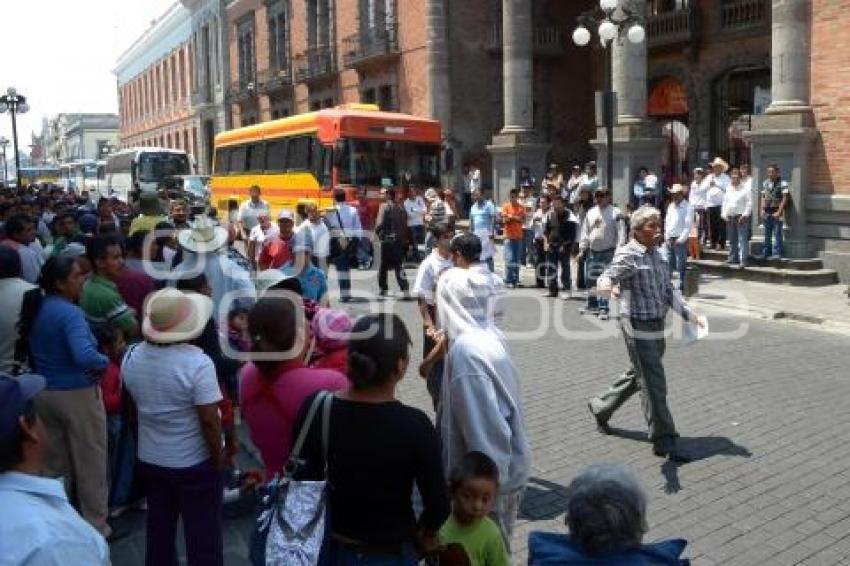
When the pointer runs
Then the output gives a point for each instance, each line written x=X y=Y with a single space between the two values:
x=467 y=204
x=558 y=258
x=645 y=344
x=581 y=280
x=434 y=380
x=193 y=494
x=539 y=264
x=342 y=262
x=391 y=258
x=716 y=227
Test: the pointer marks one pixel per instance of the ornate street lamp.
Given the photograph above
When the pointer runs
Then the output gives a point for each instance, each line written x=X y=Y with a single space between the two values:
x=612 y=20
x=3 y=143
x=14 y=104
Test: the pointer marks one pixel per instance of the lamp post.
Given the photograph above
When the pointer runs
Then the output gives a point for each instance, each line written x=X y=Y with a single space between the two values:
x=3 y=143
x=14 y=103
x=611 y=21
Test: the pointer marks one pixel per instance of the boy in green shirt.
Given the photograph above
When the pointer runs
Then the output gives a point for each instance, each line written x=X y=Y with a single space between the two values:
x=474 y=484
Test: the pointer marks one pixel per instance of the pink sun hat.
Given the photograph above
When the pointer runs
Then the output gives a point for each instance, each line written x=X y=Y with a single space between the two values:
x=331 y=328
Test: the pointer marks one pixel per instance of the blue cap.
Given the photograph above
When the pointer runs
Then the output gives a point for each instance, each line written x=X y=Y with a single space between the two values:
x=15 y=393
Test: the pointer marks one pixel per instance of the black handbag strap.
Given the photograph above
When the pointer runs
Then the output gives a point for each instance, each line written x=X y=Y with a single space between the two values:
x=325 y=399
x=339 y=217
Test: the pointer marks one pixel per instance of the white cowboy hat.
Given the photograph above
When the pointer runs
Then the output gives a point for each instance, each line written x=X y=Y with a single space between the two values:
x=174 y=316
x=204 y=236
x=718 y=161
x=431 y=194
x=676 y=188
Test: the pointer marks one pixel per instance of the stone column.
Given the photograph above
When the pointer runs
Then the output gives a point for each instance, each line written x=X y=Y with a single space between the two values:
x=785 y=133
x=518 y=75
x=790 y=56
x=439 y=79
x=629 y=65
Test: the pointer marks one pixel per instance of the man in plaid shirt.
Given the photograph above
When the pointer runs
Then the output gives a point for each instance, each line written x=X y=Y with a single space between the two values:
x=642 y=277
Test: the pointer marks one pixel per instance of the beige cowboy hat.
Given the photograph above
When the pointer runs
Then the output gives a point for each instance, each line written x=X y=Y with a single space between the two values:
x=718 y=161
x=204 y=236
x=173 y=316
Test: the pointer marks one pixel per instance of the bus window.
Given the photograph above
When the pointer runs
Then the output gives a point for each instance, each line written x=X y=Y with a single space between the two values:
x=324 y=165
x=222 y=161
x=237 y=159
x=276 y=156
x=376 y=163
x=299 y=154
x=256 y=156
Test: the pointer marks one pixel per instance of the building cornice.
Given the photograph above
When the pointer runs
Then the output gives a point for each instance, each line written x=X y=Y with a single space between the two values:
x=163 y=28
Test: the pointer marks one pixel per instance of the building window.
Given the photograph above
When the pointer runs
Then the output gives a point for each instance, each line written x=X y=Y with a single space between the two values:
x=369 y=96
x=315 y=105
x=278 y=34
x=328 y=103
x=245 y=50
x=386 y=98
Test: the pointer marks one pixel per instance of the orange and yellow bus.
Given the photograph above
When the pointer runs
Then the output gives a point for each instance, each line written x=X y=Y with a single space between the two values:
x=303 y=158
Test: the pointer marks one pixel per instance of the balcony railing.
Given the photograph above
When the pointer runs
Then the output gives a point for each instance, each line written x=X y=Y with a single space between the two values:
x=314 y=63
x=672 y=28
x=739 y=14
x=546 y=41
x=270 y=80
x=371 y=44
x=242 y=88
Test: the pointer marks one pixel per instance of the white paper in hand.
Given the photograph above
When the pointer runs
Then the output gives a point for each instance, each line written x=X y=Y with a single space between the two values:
x=693 y=332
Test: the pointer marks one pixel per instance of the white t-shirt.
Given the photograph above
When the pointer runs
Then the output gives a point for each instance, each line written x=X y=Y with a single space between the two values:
x=249 y=212
x=167 y=384
x=258 y=235
x=425 y=284
x=415 y=210
x=12 y=291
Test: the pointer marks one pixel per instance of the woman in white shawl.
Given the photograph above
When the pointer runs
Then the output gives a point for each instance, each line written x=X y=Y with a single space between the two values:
x=480 y=406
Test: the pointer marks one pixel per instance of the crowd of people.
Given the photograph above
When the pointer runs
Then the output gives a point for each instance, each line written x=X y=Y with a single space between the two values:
x=134 y=342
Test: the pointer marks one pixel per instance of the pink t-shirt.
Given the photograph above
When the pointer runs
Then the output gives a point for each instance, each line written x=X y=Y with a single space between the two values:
x=270 y=407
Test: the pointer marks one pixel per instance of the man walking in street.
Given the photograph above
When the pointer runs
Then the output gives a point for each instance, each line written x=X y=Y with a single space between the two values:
x=391 y=227
x=602 y=231
x=471 y=183
x=775 y=196
x=513 y=217
x=641 y=273
x=345 y=232
x=250 y=211
x=677 y=230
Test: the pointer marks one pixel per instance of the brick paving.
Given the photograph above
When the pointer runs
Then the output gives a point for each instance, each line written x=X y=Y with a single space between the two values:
x=765 y=414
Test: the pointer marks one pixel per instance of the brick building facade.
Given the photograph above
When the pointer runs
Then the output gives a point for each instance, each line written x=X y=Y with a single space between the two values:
x=154 y=86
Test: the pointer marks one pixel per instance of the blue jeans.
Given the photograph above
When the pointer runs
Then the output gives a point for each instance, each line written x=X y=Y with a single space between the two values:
x=772 y=228
x=513 y=252
x=593 y=267
x=491 y=264
x=344 y=555
x=418 y=237
x=739 y=240
x=554 y=259
x=677 y=258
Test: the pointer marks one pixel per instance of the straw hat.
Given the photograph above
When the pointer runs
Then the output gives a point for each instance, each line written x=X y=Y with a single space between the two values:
x=718 y=161
x=204 y=236
x=174 y=316
x=431 y=194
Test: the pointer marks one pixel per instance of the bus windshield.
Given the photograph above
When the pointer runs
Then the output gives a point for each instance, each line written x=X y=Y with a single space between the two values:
x=154 y=167
x=384 y=163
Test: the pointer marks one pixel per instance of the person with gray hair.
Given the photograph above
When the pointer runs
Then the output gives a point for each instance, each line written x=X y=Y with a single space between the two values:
x=642 y=276
x=606 y=517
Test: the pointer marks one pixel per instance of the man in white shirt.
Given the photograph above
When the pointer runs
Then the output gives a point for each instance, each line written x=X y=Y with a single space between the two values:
x=320 y=236
x=250 y=210
x=698 y=199
x=21 y=237
x=677 y=230
x=344 y=227
x=472 y=183
x=602 y=231
x=424 y=289
x=415 y=208
x=259 y=234
x=13 y=291
x=39 y=526
x=717 y=183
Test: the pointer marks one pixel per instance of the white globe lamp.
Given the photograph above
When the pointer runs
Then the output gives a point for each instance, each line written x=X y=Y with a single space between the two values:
x=636 y=34
x=607 y=31
x=581 y=36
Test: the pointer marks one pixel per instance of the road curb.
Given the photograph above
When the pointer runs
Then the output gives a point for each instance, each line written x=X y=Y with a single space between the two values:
x=765 y=313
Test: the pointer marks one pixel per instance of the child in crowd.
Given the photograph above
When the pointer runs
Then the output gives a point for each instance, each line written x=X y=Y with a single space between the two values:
x=473 y=485
x=330 y=328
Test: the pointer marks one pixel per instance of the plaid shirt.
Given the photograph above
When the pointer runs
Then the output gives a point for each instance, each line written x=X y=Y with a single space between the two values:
x=646 y=292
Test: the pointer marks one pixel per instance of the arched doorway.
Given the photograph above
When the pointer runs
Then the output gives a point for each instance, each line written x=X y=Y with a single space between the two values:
x=668 y=103
x=736 y=96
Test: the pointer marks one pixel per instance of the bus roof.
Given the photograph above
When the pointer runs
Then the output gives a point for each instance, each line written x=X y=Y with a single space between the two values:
x=146 y=149
x=331 y=124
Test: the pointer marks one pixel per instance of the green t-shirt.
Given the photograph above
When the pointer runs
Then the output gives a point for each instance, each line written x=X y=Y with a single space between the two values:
x=103 y=304
x=482 y=541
